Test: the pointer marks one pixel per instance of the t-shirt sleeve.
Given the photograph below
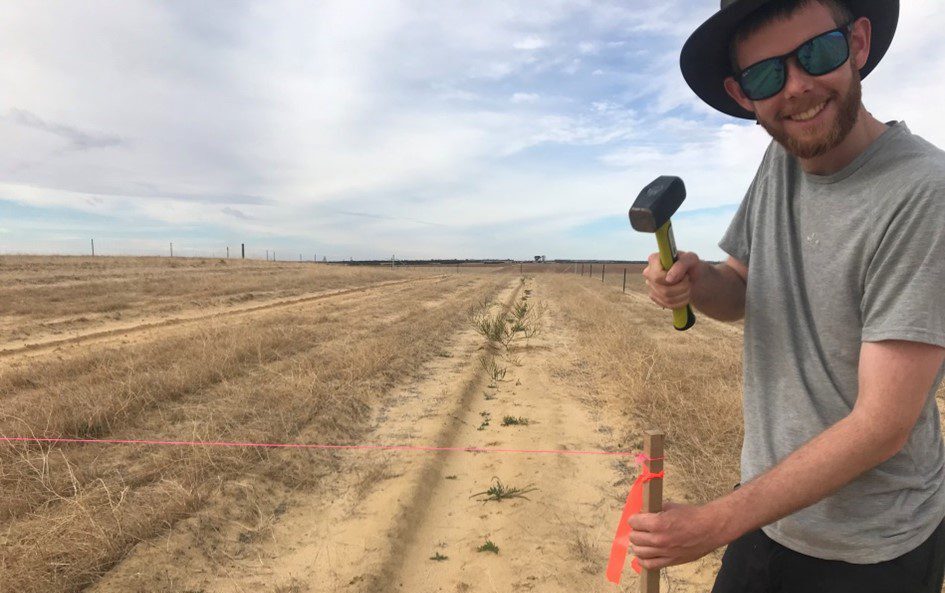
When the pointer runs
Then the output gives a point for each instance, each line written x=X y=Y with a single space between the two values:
x=904 y=293
x=737 y=239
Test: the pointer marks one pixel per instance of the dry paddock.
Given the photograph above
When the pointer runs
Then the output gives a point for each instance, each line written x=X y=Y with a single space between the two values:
x=309 y=361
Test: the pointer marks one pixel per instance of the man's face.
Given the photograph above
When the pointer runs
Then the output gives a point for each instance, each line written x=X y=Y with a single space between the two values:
x=812 y=114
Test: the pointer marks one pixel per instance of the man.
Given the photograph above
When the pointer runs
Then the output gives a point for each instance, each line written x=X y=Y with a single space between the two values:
x=838 y=267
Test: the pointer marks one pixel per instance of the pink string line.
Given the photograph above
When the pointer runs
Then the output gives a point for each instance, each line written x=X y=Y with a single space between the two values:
x=310 y=446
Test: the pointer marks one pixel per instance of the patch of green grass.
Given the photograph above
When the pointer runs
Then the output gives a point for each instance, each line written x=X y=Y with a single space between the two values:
x=513 y=421
x=486 y=417
x=488 y=547
x=499 y=491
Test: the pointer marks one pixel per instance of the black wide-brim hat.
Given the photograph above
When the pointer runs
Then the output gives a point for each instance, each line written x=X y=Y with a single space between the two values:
x=705 y=58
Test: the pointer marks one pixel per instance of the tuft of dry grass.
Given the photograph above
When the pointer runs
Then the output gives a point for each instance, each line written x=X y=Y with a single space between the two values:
x=688 y=384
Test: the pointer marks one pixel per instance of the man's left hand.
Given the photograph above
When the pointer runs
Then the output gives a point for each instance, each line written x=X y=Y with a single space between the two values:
x=679 y=534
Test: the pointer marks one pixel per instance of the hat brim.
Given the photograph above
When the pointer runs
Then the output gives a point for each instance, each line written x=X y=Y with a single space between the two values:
x=705 y=59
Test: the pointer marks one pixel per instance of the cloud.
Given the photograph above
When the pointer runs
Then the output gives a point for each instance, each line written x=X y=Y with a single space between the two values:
x=530 y=43
x=525 y=97
x=77 y=139
x=235 y=213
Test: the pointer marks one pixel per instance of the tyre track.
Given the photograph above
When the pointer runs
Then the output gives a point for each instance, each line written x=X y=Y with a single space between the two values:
x=96 y=335
x=407 y=526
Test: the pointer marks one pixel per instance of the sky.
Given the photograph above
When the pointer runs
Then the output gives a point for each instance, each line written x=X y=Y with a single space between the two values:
x=371 y=129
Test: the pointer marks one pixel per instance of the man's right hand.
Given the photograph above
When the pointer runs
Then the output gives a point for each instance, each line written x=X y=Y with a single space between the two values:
x=672 y=289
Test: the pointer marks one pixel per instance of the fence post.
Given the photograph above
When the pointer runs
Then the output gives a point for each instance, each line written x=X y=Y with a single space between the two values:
x=93 y=247
x=243 y=247
x=625 y=279
x=603 y=268
x=590 y=272
x=172 y=249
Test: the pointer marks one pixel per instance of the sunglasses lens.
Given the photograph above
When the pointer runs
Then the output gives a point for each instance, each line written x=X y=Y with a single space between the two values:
x=763 y=80
x=824 y=54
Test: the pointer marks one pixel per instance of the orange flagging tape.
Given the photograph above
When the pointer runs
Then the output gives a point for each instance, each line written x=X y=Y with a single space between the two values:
x=618 y=550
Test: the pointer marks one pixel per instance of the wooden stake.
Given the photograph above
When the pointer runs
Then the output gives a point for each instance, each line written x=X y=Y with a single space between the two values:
x=652 y=497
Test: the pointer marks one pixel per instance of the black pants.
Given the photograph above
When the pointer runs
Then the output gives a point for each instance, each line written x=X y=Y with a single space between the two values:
x=755 y=563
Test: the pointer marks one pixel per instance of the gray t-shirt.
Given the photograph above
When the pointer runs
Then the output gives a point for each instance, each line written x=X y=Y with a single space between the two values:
x=835 y=261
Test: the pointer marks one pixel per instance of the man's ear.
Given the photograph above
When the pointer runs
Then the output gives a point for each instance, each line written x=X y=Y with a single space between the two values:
x=861 y=35
x=734 y=91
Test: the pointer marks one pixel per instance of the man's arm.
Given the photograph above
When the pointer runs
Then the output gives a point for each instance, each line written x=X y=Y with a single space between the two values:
x=717 y=291
x=894 y=380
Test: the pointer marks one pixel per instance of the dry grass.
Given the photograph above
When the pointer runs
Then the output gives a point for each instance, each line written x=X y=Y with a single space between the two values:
x=311 y=374
x=49 y=295
x=688 y=384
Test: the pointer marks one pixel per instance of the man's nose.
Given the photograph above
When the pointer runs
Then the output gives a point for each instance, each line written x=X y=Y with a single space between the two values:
x=798 y=80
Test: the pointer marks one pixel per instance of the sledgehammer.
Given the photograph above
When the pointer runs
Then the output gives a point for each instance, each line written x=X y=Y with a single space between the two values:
x=650 y=213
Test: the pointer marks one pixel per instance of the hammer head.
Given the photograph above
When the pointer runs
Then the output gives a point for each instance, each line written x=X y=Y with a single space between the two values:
x=657 y=203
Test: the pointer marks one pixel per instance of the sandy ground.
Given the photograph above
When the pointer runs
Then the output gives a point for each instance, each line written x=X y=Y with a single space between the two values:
x=409 y=521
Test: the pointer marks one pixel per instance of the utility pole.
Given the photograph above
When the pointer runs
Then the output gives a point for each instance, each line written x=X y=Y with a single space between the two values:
x=93 y=247
x=267 y=255
x=227 y=252
x=172 y=249
x=243 y=248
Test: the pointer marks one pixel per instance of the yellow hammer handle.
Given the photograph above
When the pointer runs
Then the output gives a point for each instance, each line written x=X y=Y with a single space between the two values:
x=683 y=318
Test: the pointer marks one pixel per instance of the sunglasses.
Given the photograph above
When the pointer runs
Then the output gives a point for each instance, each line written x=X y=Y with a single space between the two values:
x=817 y=56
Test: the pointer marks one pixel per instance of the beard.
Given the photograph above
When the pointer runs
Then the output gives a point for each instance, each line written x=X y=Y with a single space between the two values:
x=822 y=141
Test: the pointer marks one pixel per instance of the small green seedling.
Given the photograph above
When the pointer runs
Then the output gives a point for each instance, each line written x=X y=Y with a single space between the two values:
x=488 y=547
x=513 y=421
x=439 y=557
x=499 y=491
